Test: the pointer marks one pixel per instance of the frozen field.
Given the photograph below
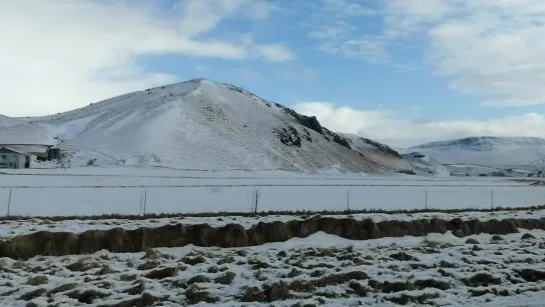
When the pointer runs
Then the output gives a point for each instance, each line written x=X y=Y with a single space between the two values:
x=320 y=270
x=92 y=191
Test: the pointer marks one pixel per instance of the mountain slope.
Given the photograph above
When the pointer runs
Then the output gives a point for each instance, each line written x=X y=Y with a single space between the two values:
x=200 y=124
x=14 y=131
x=487 y=151
x=425 y=165
x=377 y=152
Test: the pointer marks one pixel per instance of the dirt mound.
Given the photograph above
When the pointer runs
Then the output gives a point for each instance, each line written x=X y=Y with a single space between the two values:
x=120 y=240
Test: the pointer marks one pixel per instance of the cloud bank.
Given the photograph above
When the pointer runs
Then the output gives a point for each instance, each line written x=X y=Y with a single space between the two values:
x=65 y=54
x=492 y=48
x=382 y=125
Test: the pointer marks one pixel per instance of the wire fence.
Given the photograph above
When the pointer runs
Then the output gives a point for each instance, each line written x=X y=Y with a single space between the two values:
x=133 y=201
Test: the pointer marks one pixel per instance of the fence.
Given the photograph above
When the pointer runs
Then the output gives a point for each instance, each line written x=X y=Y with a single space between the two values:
x=115 y=200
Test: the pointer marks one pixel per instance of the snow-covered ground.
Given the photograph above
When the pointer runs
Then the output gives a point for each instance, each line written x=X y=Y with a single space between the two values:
x=320 y=270
x=324 y=270
x=96 y=191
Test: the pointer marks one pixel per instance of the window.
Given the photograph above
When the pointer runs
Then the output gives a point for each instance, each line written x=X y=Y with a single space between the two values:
x=4 y=157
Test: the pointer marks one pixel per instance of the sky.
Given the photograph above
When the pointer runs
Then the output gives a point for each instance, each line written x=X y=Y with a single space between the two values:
x=401 y=72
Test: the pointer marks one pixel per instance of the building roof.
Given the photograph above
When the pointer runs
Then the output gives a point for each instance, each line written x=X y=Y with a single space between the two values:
x=14 y=150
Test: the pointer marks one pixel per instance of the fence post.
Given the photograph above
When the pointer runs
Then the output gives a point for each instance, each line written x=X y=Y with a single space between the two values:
x=426 y=201
x=9 y=201
x=145 y=201
x=141 y=204
x=491 y=199
x=347 y=200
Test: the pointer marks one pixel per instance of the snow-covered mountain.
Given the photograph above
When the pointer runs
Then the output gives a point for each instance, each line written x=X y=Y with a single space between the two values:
x=487 y=151
x=204 y=125
x=15 y=131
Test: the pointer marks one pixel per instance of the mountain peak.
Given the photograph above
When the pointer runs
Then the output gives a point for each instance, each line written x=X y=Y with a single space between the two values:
x=205 y=125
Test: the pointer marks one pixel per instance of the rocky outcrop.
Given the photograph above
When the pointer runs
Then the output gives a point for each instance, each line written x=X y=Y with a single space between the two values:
x=381 y=147
x=233 y=235
x=310 y=122
x=289 y=137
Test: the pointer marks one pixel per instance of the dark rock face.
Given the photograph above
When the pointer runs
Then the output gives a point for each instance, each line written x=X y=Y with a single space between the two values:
x=341 y=141
x=119 y=240
x=383 y=148
x=329 y=135
x=310 y=122
x=289 y=136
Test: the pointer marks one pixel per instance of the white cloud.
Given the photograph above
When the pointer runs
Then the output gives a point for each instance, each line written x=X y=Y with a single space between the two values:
x=370 y=49
x=64 y=54
x=275 y=53
x=336 y=26
x=406 y=17
x=330 y=31
x=494 y=48
x=346 y=8
x=382 y=125
x=260 y=9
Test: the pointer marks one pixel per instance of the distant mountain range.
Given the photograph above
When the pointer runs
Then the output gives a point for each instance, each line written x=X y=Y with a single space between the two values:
x=487 y=151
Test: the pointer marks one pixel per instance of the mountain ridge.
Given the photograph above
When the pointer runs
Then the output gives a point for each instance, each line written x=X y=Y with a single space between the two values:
x=486 y=150
x=201 y=124
x=479 y=140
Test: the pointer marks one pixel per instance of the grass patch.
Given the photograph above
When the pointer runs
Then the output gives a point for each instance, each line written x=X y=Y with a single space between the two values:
x=38 y=280
x=303 y=213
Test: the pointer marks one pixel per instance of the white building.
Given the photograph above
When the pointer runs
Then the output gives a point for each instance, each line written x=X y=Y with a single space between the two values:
x=12 y=158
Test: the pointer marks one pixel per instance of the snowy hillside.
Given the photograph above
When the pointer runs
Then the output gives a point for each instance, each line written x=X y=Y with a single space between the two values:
x=14 y=131
x=377 y=152
x=203 y=125
x=487 y=151
x=425 y=165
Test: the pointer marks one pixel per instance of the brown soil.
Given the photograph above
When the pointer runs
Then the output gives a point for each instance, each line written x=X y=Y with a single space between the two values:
x=120 y=240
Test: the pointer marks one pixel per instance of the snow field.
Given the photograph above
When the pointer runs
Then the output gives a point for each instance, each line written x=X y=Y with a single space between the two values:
x=115 y=200
x=324 y=270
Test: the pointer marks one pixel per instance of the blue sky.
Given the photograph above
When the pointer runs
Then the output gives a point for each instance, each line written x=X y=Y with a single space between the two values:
x=402 y=72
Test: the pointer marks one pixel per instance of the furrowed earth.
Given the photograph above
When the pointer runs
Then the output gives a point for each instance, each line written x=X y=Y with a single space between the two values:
x=442 y=259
